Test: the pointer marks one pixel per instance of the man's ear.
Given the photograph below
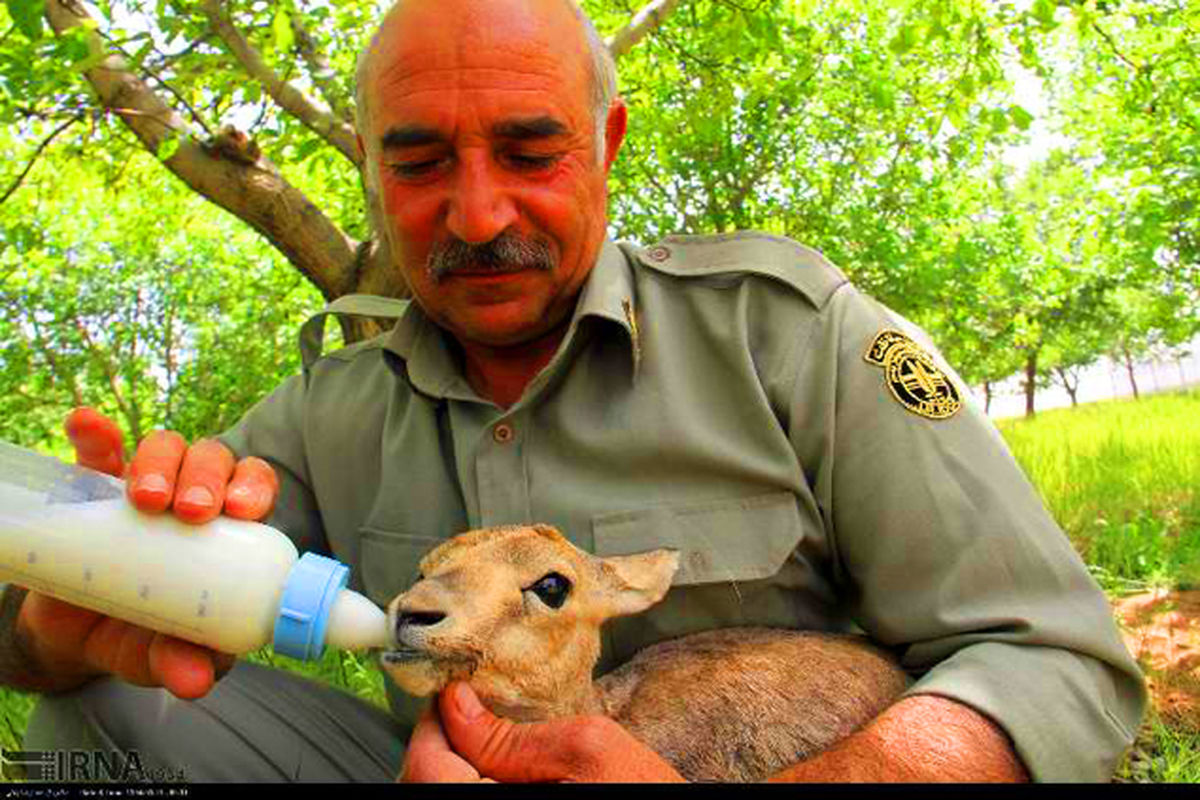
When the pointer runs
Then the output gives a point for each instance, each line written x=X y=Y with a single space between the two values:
x=614 y=132
x=630 y=584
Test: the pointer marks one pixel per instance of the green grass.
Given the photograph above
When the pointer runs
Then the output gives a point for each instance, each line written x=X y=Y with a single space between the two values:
x=1162 y=754
x=354 y=672
x=1123 y=480
x=16 y=708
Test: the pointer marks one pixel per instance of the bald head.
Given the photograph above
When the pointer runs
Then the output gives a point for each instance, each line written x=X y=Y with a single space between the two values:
x=602 y=74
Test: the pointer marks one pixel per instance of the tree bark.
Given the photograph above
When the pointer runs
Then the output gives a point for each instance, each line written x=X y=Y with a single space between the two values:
x=987 y=397
x=316 y=116
x=642 y=24
x=251 y=189
x=1030 y=381
x=1064 y=377
x=1129 y=369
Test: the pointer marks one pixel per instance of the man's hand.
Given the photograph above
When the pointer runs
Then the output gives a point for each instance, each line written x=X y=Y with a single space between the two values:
x=923 y=738
x=71 y=644
x=196 y=483
x=460 y=741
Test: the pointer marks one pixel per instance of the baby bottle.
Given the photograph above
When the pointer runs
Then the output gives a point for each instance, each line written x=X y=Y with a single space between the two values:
x=69 y=532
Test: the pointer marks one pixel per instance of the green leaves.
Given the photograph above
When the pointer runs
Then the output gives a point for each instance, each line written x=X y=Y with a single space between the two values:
x=143 y=303
x=904 y=41
x=876 y=132
x=27 y=16
x=168 y=147
x=1020 y=117
x=282 y=36
x=1044 y=12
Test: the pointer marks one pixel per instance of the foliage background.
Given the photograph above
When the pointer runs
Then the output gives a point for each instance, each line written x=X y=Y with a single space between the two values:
x=877 y=132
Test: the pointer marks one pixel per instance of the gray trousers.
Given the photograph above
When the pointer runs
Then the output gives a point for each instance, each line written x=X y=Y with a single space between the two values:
x=258 y=724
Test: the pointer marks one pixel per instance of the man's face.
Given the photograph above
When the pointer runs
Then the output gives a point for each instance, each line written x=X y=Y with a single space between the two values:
x=482 y=127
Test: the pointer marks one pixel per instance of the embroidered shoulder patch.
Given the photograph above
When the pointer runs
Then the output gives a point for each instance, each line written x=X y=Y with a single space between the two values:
x=912 y=376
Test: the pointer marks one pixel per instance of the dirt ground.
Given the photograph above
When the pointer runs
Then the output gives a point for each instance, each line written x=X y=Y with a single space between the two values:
x=1162 y=630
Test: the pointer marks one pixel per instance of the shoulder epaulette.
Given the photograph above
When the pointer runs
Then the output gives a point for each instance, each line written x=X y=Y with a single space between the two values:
x=748 y=252
x=312 y=332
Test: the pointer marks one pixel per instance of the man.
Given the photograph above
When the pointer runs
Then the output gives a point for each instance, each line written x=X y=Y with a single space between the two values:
x=732 y=397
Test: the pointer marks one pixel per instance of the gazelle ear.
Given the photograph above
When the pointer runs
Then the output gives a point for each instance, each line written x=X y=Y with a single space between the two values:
x=633 y=583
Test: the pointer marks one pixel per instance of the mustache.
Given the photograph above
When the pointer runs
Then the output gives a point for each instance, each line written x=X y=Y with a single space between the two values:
x=508 y=252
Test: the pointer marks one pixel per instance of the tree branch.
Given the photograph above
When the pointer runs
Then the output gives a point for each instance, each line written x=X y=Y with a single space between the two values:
x=161 y=82
x=1112 y=45
x=642 y=24
x=323 y=75
x=36 y=154
x=314 y=114
x=690 y=222
x=254 y=191
x=128 y=407
x=47 y=351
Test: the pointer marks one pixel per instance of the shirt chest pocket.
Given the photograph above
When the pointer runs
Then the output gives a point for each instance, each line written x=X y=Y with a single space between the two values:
x=742 y=539
x=389 y=562
x=750 y=561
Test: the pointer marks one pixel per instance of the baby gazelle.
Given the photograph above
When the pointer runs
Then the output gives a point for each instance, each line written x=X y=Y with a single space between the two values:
x=516 y=611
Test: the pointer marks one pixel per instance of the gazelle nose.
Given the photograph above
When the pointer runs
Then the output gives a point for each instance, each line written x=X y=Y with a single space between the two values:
x=412 y=619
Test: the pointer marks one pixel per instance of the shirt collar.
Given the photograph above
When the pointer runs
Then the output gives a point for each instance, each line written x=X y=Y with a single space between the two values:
x=434 y=369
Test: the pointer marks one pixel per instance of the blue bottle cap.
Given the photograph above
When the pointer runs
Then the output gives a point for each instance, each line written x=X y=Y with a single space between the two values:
x=312 y=586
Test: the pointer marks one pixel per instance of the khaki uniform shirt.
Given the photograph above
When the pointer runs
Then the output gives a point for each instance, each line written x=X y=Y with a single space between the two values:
x=712 y=395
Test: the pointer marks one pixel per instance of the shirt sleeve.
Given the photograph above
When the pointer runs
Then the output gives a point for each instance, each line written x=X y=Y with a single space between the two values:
x=273 y=430
x=945 y=552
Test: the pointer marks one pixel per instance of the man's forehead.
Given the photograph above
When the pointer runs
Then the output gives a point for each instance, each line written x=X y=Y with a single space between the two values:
x=487 y=41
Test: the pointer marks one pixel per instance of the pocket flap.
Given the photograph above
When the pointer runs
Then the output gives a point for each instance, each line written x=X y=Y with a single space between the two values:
x=389 y=562
x=743 y=539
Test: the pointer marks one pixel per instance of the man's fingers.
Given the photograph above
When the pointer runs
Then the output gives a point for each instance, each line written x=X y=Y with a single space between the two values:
x=154 y=469
x=497 y=747
x=184 y=669
x=200 y=490
x=97 y=441
x=252 y=490
x=429 y=758
x=584 y=748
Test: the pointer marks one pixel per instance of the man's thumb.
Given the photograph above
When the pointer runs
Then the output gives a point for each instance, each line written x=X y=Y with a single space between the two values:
x=499 y=748
x=97 y=440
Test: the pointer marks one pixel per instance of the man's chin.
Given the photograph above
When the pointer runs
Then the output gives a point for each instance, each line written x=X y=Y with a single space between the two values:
x=495 y=329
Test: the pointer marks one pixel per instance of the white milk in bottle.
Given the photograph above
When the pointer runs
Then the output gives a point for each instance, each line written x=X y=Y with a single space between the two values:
x=70 y=532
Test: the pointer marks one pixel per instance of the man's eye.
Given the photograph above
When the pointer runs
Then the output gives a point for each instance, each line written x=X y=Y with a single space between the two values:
x=414 y=169
x=525 y=161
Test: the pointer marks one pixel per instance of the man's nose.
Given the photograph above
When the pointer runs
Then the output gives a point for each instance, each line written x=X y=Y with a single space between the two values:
x=481 y=206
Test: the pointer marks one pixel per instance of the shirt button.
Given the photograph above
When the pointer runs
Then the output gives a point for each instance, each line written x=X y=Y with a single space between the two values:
x=659 y=253
x=502 y=433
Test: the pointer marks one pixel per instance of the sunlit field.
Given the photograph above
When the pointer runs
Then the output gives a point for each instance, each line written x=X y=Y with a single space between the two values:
x=1123 y=480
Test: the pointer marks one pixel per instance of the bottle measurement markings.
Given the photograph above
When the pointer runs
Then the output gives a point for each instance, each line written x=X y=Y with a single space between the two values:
x=22 y=578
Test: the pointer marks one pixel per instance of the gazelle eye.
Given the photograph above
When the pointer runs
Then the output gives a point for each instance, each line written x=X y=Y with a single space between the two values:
x=552 y=589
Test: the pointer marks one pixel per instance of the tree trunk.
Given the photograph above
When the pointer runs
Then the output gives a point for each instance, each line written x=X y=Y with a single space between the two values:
x=1064 y=377
x=1030 y=381
x=1129 y=369
x=987 y=397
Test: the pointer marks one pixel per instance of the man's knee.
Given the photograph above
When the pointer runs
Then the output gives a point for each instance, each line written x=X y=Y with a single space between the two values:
x=258 y=724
